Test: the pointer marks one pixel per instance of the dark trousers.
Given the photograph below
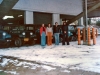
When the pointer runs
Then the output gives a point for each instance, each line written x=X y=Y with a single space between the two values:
x=65 y=39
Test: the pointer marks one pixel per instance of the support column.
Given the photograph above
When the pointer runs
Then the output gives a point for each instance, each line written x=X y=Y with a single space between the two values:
x=55 y=18
x=28 y=17
x=85 y=21
x=80 y=21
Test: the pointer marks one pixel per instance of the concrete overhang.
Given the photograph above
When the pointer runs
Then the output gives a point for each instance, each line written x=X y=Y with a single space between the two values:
x=67 y=8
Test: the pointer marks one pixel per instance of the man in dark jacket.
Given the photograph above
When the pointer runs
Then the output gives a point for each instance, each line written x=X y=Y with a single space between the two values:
x=65 y=34
x=56 y=33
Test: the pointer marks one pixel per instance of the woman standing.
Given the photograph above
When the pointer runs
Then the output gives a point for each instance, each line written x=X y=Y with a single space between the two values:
x=43 y=35
x=49 y=33
x=56 y=33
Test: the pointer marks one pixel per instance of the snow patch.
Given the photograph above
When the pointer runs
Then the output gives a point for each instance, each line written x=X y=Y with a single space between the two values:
x=1 y=70
x=11 y=72
x=48 y=68
x=5 y=62
x=65 y=71
x=73 y=56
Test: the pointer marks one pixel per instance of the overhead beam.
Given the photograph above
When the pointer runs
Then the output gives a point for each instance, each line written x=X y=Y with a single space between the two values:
x=82 y=14
x=95 y=13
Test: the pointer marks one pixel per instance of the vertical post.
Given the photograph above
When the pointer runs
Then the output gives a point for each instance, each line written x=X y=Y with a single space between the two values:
x=79 y=37
x=28 y=17
x=55 y=18
x=89 y=37
x=96 y=33
x=84 y=38
x=85 y=20
x=94 y=37
x=80 y=21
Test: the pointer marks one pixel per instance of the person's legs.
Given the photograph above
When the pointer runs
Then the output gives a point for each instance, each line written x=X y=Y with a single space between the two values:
x=57 y=38
x=63 y=39
x=43 y=39
x=47 y=38
x=50 y=38
x=67 y=40
x=55 y=35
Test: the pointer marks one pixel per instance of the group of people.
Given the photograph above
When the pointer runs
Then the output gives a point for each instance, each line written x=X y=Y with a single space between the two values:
x=50 y=31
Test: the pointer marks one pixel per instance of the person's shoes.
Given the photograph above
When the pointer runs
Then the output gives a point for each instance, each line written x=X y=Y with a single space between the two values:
x=43 y=47
x=68 y=44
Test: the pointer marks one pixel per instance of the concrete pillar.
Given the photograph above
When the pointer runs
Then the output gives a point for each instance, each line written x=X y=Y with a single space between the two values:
x=55 y=18
x=80 y=21
x=61 y=22
x=28 y=17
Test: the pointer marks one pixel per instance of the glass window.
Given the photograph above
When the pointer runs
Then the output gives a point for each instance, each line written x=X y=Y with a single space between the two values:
x=70 y=27
x=22 y=28
x=30 y=28
x=6 y=28
x=14 y=28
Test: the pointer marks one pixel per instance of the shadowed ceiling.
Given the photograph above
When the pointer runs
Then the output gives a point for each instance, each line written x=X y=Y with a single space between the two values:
x=7 y=5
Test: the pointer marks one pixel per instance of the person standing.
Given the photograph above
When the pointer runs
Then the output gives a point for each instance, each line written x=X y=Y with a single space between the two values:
x=56 y=33
x=49 y=33
x=65 y=34
x=43 y=35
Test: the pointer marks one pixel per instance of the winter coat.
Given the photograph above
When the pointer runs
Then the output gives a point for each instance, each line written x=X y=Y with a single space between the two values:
x=41 y=30
x=65 y=29
x=56 y=29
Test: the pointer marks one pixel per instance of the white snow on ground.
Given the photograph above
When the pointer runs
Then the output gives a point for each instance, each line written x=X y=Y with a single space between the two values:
x=47 y=67
x=5 y=62
x=12 y=72
x=24 y=64
x=65 y=71
x=1 y=70
x=71 y=56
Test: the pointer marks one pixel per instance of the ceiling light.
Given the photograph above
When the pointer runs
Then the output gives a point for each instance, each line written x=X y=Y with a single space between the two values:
x=6 y=17
x=20 y=15
x=9 y=23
